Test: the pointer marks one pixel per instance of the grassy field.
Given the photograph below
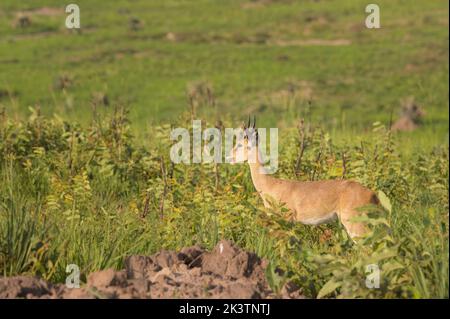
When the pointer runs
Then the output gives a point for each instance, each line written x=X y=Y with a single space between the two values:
x=248 y=52
x=85 y=119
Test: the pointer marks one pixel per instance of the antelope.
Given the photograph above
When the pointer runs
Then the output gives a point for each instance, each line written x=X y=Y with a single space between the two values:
x=311 y=202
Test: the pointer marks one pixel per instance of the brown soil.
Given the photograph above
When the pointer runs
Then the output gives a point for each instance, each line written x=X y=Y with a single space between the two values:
x=225 y=272
x=43 y=11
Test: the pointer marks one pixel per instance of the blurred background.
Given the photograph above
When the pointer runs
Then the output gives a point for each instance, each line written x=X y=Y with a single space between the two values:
x=277 y=59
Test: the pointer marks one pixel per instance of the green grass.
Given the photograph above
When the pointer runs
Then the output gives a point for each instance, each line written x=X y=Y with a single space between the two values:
x=93 y=196
x=236 y=49
x=76 y=175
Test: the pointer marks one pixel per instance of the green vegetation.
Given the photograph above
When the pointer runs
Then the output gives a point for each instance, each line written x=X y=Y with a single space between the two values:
x=84 y=181
x=91 y=197
x=249 y=52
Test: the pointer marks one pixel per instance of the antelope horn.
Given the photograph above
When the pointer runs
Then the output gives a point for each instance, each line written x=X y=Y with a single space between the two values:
x=254 y=121
x=248 y=122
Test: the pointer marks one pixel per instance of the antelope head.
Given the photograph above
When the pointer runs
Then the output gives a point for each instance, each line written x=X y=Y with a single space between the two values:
x=246 y=148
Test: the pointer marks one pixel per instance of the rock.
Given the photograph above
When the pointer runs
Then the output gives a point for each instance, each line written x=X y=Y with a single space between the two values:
x=23 y=287
x=229 y=261
x=138 y=267
x=76 y=293
x=106 y=278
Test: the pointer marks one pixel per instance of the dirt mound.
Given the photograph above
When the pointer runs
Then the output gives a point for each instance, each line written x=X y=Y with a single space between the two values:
x=411 y=116
x=225 y=272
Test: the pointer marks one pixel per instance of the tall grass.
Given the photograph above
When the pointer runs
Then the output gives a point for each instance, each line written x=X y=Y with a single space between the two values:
x=91 y=196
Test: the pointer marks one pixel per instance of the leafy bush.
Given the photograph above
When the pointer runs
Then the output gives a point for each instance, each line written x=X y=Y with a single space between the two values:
x=92 y=196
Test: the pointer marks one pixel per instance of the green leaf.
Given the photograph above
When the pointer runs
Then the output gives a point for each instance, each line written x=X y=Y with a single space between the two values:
x=385 y=202
x=391 y=266
x=328 y=288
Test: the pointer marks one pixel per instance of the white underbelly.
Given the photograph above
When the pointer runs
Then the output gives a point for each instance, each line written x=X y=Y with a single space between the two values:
x=319 y=220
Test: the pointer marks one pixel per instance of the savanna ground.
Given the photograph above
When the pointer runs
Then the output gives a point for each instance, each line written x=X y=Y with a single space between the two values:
x=85 y=173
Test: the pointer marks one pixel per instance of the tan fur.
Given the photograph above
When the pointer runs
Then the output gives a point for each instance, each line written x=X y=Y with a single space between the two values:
x=314 y=202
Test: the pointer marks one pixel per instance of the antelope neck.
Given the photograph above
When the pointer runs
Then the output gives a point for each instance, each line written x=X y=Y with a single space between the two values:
x=257 y=172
